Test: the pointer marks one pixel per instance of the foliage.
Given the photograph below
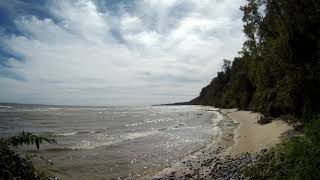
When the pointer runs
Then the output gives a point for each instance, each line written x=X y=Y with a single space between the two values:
x=296 y=158
x=12 y=166
x=278 y=74
x=278 y=71
x=27 y=139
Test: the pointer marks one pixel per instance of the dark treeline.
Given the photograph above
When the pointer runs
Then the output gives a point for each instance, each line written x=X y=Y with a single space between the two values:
x=278 y=70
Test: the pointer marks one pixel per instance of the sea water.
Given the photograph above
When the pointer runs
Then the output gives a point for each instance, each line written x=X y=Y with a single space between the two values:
x=112 y=142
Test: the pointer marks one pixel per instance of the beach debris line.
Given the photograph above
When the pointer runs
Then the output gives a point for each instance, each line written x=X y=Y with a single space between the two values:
x=216 y=167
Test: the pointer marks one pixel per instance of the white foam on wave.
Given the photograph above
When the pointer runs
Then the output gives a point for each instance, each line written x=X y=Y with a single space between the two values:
x=216 y=130
x=86 y=145
x=105 y=140
x=133 y=124
x=66 y=134
x=34 y=110
x=54 y=109
x=7 y=107
x=155 y=121
x=218 y=116
x=137 y=135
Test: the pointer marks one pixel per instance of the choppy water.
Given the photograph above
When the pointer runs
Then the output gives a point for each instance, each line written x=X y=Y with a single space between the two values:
x=112 y=142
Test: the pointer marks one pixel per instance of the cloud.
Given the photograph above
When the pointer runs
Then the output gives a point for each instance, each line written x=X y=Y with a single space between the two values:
x=86 y=53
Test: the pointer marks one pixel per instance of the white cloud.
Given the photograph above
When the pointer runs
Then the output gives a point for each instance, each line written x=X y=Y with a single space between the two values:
x=160 y=51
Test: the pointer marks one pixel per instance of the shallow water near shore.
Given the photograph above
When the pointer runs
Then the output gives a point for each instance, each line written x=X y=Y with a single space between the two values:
x=112 y=142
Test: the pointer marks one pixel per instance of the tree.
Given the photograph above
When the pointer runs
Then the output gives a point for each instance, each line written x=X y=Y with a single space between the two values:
x=226 y=65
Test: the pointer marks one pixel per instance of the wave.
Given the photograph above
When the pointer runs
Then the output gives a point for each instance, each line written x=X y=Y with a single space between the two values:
x=133 y=124
x=66 y=134
x=105 y=140
x=132 y=136
x=40 y=109
x=6 y=107
x=95 y=131
x=218 y=116
x=54 y=109
x=213 y=109
x=55 y=149
x=150 y=121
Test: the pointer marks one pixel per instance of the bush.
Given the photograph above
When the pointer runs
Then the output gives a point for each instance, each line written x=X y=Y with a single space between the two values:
x=13 y=166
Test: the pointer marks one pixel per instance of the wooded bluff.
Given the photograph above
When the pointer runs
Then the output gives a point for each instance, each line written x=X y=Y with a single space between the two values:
x=277 y=73
x=278 y=69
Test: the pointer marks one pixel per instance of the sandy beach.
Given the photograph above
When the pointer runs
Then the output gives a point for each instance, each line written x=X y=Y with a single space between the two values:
x=237 y=148
x=252 y=137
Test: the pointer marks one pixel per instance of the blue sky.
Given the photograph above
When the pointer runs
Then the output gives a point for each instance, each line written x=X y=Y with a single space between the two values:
x=114 y=52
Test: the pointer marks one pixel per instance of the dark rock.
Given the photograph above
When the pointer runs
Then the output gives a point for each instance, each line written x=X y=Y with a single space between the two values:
x=263 y=150
x=298 y=127
x=264 y=120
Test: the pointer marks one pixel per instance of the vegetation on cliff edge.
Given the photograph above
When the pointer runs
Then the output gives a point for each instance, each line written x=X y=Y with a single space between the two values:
x=277 y=73
x=278 y=70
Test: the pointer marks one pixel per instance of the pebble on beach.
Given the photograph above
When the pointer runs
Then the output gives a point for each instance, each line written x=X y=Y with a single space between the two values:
x=214 y=166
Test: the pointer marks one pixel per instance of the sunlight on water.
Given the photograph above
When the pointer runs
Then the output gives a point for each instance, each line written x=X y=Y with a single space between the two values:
x=114 y=141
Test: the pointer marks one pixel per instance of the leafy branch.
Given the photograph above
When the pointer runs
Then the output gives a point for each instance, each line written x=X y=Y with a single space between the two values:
x=12 y=165
x=26 y=138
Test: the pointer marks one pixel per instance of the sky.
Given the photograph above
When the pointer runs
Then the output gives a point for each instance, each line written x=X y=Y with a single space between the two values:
x=114 y=52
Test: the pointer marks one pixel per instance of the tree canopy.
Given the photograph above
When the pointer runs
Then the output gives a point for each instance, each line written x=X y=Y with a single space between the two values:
x=278 y=69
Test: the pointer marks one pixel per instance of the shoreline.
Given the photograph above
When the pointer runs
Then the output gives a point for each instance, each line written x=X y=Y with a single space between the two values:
x=190 y=166
x=238 y=147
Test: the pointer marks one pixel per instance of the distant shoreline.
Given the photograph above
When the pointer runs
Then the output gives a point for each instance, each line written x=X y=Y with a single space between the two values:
x=174 y=104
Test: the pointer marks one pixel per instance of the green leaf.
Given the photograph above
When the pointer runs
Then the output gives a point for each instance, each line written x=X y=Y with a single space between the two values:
x=37 y=143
